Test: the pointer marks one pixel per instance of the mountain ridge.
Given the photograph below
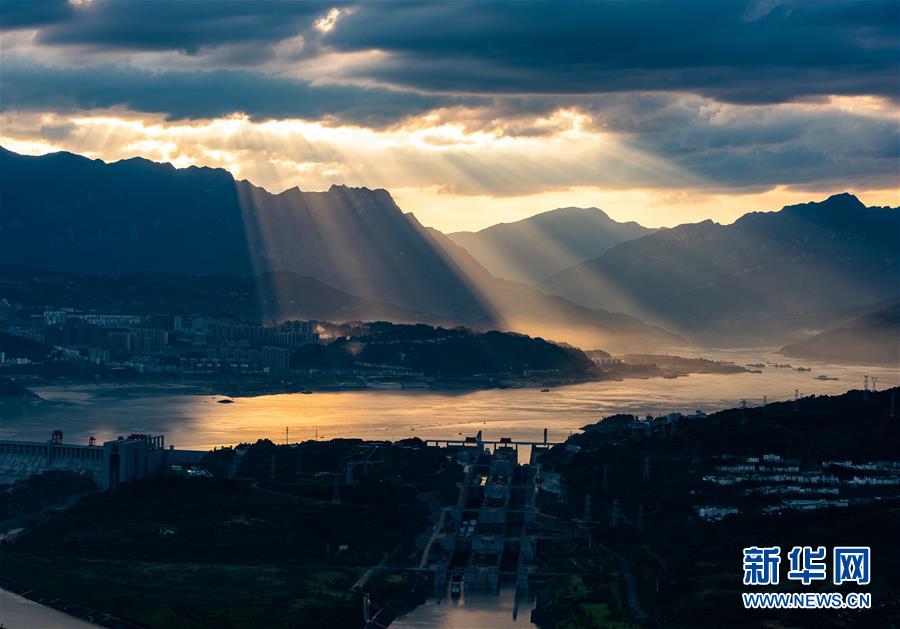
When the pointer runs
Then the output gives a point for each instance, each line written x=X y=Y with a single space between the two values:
x=872 y=338
x=762 y=278
x=533 y=249
x=137 y=216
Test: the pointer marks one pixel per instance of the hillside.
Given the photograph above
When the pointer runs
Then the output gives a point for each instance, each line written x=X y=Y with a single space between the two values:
x=873 y=338
x=533 y=249
x=254 y=298
x=446 y=353
x=765 y=277
x=137 y=217
x=521 y=308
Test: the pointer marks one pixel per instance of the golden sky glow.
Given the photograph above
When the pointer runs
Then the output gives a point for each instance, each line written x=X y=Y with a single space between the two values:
x=472 y=114
x=454 y=171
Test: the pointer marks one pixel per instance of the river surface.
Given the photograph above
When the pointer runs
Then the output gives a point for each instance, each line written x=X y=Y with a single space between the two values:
x=199 y=422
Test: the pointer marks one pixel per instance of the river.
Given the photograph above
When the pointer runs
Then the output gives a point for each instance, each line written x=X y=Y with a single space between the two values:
x=199 y=422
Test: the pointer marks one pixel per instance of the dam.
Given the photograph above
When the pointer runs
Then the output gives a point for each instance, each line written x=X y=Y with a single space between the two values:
x=108 y=464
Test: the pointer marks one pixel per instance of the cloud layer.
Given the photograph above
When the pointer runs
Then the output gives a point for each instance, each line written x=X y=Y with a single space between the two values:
x=479 y=99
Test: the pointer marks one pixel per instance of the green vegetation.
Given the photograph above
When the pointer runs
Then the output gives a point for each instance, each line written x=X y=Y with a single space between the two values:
x=187 y=594
x=33 y=495
x=436 y=351
x=687 y=572
x=263 y=550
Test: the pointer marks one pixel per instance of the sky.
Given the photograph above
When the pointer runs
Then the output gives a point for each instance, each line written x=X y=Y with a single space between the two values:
x=473 y=113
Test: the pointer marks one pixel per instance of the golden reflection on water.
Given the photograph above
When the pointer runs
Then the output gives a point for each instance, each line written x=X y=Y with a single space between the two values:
x=199 y=421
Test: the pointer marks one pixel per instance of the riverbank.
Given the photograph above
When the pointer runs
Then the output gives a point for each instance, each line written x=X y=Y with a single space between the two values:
x=642 y=366
x=197 y=421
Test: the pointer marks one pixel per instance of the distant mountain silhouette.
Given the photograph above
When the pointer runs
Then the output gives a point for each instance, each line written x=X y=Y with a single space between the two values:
x=873 y=338
x=67 y=211
x=533 y=249
x=760 y=279
x=521 y=307
x=64 y=211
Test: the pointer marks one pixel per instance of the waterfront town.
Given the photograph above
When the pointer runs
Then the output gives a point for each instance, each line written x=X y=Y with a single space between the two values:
x=159 y=344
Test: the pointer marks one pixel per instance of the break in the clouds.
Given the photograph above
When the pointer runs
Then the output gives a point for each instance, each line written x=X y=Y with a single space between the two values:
x=452 y=100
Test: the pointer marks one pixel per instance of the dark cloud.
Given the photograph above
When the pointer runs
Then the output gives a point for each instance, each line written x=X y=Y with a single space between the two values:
x=759 y=52
x=751 y=52
x=734 y=145
x=715 y=49
x=185 y=25
x=202 y=94
x=652 y=73
x=31 y=13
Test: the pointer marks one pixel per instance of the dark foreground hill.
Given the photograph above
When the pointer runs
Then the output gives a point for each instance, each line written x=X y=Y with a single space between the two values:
x=651 y=552
x=437 y=352
x=272 y=548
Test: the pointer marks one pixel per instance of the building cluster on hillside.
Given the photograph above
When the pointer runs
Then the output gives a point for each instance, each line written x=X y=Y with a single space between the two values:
x=783 y=486
x=165 y=343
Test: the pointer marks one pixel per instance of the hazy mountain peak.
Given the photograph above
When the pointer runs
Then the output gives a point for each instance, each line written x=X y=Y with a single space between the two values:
x=534 y=248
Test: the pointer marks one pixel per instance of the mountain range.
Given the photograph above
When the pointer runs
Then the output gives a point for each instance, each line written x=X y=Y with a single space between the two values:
x=67 y=212
x=533 y=249
x=770 y=278
x=767 y=277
